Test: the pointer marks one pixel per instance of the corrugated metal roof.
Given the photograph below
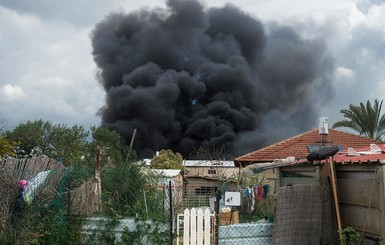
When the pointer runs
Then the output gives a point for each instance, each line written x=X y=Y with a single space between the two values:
x=365 y=155
x=196 y=163
x=297 y=146
x=169 y=173
x=208 y=163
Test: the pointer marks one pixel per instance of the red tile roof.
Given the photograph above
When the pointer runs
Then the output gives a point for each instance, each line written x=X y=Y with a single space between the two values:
x=297 y=146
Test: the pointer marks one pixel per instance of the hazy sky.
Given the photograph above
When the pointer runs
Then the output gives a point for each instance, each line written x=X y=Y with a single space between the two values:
x=47 y=69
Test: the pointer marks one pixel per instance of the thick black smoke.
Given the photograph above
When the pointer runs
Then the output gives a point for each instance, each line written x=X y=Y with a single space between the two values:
x=188 y=77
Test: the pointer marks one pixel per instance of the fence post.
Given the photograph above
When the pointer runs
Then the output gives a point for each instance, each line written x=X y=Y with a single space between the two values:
x=200 y=230
x=193 y=226
x=171 y=211
x=186 y=227
x=218 y=198
x=207 y=226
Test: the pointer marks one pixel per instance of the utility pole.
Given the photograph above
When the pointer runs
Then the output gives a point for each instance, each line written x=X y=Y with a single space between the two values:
x=98 y=187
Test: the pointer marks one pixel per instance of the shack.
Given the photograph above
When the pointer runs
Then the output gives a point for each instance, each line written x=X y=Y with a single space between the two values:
x=360 y=186
x=360 y=182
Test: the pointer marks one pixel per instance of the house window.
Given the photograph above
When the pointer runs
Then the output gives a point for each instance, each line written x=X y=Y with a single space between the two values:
x=212 y=171
x=205 y=190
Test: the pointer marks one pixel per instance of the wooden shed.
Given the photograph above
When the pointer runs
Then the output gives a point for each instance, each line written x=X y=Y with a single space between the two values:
x=360 y=184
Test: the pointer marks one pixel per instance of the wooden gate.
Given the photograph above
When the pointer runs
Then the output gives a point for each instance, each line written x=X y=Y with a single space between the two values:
x=197 y=227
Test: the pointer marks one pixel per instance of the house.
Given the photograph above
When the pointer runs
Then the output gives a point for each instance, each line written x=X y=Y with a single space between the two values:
x=174 y=178
x=198 y=182
x=203 y=177
x=359 y=169
x=299 y=146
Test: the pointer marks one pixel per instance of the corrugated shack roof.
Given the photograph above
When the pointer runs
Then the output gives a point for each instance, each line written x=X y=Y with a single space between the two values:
x=373 y=153
x=208 y=163
x=169 y=173
x=299 y=146
x=196 y=163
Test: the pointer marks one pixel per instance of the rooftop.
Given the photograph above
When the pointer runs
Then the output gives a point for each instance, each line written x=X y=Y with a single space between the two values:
x=299 y=146
x=374 y=153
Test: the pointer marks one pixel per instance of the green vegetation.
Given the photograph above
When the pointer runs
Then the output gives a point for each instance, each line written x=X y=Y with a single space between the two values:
x=6 y=147
x=365 y=119
x=349 y=236
x=55 y=215
x=167 y=159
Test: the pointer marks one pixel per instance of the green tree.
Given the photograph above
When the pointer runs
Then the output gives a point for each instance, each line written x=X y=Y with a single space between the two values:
x=167 y=159
x=365 y=119
x=111 y=147
x=68 y=144
x=32 y=137
x=6 y=147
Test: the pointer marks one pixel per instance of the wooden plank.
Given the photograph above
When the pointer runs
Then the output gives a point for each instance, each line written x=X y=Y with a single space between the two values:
x=325 y=174
x=229 y=218
x=200 y=226
x=359 y=191
x=193 y=226
x=356 y=167
x=361 y=218
x=186 y=227
x=381 y=176
x=333 y=182
x=278 y=183
x=305 y=168
x=362 y=175
x=207 y=226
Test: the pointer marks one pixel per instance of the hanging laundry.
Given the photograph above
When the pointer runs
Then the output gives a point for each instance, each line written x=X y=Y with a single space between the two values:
x=251 y=199
x=266 y=188
x=260 y=193
x=245 y=193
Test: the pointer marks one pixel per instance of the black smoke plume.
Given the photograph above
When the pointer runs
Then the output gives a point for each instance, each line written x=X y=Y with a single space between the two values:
x=187 y=77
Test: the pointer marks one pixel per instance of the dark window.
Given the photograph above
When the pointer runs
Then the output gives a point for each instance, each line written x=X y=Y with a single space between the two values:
x=205 y=190
x=212 y=171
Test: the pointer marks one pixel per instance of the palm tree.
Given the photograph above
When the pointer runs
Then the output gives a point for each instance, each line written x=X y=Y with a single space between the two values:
x=366 y=120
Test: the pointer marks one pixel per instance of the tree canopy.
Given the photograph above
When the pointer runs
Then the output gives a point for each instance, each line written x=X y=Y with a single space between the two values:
x=365 y=119
x=110 y=145
x=70 y=145
x=67 y=144
x=6 y=147
x=167 y=159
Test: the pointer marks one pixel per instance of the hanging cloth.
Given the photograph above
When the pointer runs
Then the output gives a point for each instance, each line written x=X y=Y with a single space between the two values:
x=266 y=188
x=251 y=199
x=260 y=193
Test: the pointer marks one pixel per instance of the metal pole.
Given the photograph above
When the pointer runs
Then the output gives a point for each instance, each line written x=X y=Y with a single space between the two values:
x=132 y=139
x=218 y=198
x=171 y=211
x=98 y=194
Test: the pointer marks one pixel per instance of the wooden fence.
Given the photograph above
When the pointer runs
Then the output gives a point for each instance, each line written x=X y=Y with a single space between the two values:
x=197 y=227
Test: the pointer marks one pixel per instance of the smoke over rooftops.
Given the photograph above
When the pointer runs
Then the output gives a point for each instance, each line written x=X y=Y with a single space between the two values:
x=187 y=77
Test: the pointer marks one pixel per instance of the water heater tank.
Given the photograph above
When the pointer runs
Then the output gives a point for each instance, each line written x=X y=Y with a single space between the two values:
x=323 y=125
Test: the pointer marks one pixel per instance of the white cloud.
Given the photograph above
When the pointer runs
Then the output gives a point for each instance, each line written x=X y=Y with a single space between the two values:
x=344 y=74
x=13 y=92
